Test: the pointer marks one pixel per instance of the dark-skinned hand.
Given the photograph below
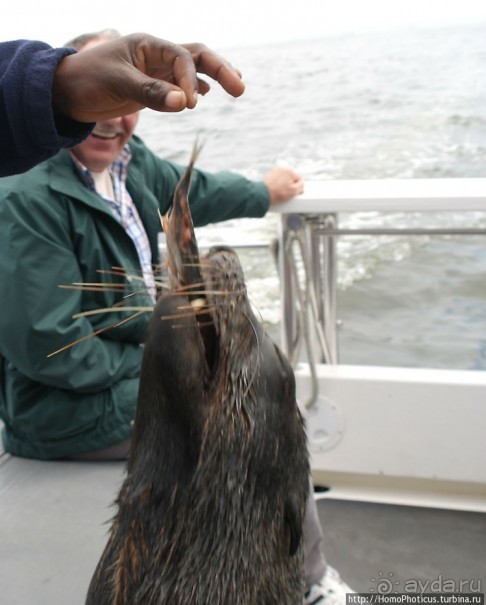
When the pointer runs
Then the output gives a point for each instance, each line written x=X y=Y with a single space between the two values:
x=135 y=71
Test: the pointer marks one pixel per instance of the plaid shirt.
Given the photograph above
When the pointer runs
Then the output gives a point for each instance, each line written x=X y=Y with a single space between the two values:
x=125 y=211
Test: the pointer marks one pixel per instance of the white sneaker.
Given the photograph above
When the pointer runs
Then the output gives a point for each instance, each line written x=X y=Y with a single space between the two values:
x=331 y=590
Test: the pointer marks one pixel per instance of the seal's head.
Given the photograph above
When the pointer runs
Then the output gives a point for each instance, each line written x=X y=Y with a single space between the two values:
x=212 y=507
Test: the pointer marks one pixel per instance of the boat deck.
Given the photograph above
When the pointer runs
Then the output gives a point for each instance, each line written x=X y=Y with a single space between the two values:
x=55 y=517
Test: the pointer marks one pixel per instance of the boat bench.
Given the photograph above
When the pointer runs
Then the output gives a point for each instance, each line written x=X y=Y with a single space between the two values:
x=54 y=522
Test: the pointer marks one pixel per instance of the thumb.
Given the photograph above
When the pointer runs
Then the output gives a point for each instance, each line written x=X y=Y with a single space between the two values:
x=155 y=94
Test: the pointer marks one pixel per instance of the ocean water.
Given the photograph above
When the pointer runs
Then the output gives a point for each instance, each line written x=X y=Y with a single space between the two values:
x=401 y=104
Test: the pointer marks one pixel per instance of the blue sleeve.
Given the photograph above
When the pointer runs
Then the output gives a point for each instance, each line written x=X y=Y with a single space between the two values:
x=29 y=131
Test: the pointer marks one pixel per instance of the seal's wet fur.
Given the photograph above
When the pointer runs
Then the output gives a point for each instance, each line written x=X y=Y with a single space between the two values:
x=211 y=511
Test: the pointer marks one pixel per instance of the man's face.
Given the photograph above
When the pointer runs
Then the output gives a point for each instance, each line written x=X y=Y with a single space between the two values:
x=105 y=143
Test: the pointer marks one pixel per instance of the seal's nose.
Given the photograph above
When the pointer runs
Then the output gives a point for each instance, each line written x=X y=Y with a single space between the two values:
x=182 y=251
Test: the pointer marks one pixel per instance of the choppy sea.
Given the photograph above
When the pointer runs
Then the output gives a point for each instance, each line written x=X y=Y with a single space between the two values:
x=397 y=104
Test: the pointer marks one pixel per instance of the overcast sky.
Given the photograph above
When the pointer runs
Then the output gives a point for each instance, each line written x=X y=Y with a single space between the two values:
x=226 y=23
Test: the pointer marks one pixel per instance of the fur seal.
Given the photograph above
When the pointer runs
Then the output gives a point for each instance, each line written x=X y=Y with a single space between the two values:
x=211 y=510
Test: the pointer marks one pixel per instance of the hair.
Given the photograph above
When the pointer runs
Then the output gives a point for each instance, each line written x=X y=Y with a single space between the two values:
x=79 y=41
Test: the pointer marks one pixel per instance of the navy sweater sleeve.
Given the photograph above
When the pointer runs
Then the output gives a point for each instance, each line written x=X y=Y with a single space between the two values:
x=29 y=131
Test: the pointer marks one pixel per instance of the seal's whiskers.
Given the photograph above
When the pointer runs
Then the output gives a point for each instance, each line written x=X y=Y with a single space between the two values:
x=95 y=287
x=200 y=324
x=211 y=292
x=100 y=331
x=191 y=311
x=112 y=310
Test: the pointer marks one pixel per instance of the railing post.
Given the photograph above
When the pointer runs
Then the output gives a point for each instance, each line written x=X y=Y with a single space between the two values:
x=288 y=328
x=324 y=273
x=317 y=277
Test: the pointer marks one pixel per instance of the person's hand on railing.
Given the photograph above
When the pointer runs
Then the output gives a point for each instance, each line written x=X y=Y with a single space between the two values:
x=283 y=184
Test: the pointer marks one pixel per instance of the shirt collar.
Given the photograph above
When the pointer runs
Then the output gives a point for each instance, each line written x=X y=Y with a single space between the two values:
x=117 y=169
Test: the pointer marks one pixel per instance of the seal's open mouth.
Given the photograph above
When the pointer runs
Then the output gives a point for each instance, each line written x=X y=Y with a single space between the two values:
x=184 y=262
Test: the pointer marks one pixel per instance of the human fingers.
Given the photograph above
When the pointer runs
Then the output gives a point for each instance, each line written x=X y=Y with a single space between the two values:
x=166 y=77
x=140 y=91
x=122 y=76
x=179 y=65
x=216 y=67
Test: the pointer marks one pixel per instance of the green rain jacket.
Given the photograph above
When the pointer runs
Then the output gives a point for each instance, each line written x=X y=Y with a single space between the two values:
x=54 y=232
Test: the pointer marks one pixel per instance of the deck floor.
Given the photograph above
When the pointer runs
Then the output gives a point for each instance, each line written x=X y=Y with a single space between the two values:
x=53 y=528
x=404 y=545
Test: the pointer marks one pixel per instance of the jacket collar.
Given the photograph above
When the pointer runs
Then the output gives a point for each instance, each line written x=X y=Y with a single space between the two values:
x=64 y=178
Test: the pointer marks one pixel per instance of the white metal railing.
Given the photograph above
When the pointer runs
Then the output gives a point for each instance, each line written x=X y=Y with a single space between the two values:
x=309 y=230
x=389 y=195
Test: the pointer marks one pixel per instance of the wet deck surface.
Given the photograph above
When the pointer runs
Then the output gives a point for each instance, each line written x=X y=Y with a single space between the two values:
x=383 y=545
x=53 y=528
